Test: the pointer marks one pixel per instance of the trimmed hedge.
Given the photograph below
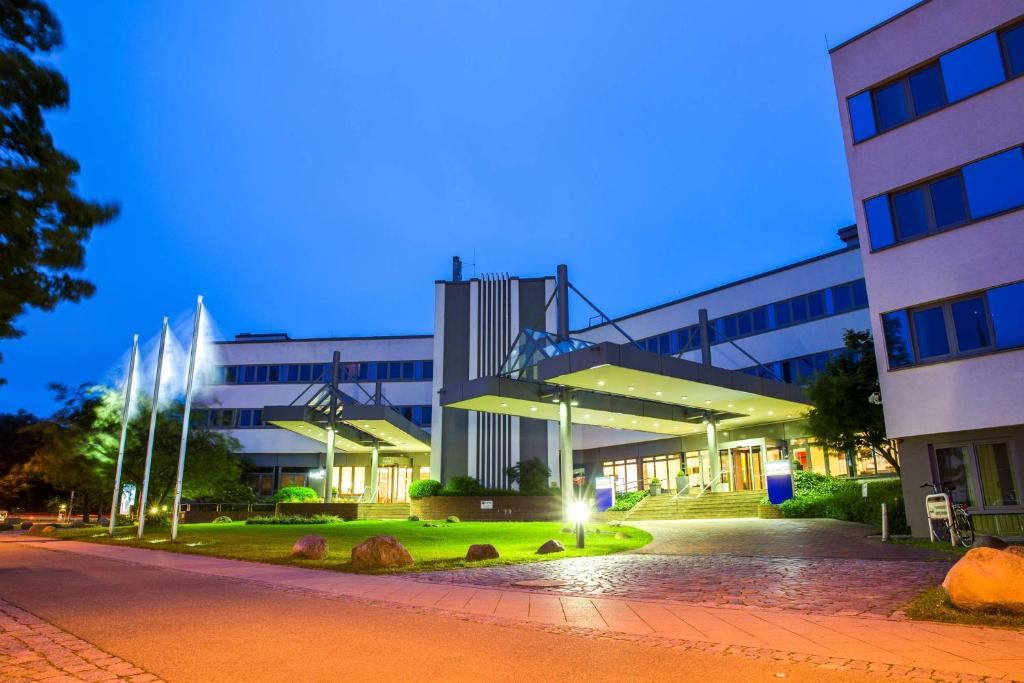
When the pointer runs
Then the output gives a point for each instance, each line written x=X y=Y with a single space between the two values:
x=293 y=519
x=627 y=501
x=296 y=494
x=819 y=495
x=423 y=488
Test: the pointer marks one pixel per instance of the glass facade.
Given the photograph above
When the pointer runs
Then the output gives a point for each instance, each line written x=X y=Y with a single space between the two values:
x=250 y=418
x=981 y=474
x=968 y=70
x=370 y=371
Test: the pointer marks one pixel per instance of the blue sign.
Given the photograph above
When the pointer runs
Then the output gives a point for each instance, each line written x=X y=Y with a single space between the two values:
x=604 y=493
x=779 y=474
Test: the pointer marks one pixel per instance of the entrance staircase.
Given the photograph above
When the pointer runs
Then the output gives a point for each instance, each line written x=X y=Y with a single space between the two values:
x=383 y=511
x=708 y=506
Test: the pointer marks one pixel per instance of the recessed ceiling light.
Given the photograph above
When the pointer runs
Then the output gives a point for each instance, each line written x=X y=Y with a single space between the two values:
x=533 y=409
x=750 y=410
x=707 y=403
x=771 y=412
x=632 y=422
x=789 y=416
x=657 y=393
x=504 y=405
x=730 y=405
x=684 y=397
x=600 y=382
x=630 y=388
x=587 y=416
x=611 y=419
x=657 y=424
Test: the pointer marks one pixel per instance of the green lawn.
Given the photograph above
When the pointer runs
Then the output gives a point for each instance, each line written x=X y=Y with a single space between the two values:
x=440 y=547
x=934 y=605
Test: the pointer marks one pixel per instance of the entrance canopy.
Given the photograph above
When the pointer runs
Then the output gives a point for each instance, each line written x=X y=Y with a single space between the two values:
x=622 y=387
x=357 y=425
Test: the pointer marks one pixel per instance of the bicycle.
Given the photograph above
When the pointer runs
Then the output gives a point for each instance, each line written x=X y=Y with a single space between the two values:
x=961 y=526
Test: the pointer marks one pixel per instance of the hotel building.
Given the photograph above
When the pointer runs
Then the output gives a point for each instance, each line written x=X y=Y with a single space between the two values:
x=932 y=111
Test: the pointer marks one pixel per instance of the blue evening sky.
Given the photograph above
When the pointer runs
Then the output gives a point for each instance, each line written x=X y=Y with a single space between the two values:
x=311 y=167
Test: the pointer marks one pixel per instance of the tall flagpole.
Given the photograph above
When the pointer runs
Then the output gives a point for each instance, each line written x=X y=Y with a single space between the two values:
x=185 y=418
x=144 y=498
x=126 y=411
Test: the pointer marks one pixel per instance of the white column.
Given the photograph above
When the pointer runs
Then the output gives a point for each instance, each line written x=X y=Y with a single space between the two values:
x=125 y=414
x=716 y=465
x=329 y=465
x=144 y=498
x=374 y=474
x=565 y=455
x=193 y=352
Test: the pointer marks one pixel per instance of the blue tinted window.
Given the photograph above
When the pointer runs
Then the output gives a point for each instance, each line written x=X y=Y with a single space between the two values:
x=896 y=327
x=930 y=326
x=971 y=325
x=879 y=218
x=860 y=293
x=730 y=328
x=926 y=90
x=891 y=102
x=816 y=304
x=760 y=319
x=1006 y=305
x=293 y=373
x=250 y=374
x=911 y=214
x=972 y=68
x=1013 y=40
x=261 y=374
x=245 y=418
x=862 y=116
x=743 y=322
x=948 y=201
x=799 y=309
x=428 y=369
x=995 y=184
x=231 y=374
x=408 y=370
x=841 y=298
x=782 y=316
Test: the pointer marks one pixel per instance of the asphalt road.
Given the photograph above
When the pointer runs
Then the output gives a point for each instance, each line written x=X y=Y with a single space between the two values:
x=186 y=627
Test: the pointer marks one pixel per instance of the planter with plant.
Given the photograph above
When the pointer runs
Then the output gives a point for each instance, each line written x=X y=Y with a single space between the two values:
x=655 y=486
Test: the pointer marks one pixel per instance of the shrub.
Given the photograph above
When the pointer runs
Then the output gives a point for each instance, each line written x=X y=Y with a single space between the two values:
x=6 y=527
x=627 y=501
x=424 y=488
x=159 y=518
x=462 y=486
x=819 y=495
x=296 y=494
x=452 y=519
x=413 y=518
x=223 y=519
x=293 y=519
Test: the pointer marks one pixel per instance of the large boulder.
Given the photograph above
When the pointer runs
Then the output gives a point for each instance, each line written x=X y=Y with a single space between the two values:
x=481 y=551
x=551 y=546
x=49 y=529
x=985 y=579
x=379 y=552
x=1017 y=550
x=311 y=547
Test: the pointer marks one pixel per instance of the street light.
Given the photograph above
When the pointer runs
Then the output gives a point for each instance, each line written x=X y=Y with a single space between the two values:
x=579 y=512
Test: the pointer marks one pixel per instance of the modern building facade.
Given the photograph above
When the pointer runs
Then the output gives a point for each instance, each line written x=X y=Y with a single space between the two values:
x=781 y=326
x=932 y=111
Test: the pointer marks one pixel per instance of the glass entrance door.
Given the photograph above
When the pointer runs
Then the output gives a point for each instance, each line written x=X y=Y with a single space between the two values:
x=742 y=465
x=393 y=484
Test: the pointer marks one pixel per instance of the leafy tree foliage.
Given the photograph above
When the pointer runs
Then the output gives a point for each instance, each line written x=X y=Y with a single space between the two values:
x=843 y=417
x=532 y=476
x=77 y=450
x=17 y=445
x=44 y=223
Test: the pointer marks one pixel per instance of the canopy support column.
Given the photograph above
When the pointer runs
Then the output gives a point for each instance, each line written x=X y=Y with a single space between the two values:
x=716 y=464
x=565 y=451
x=332 y=420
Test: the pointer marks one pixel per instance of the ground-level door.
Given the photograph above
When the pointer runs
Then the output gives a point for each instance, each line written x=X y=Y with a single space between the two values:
x=393 y=484
x=742 y=463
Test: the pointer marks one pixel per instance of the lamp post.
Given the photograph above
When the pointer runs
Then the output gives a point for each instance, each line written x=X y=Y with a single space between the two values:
x=126 y=411
x=143 y=499
x=185 y=418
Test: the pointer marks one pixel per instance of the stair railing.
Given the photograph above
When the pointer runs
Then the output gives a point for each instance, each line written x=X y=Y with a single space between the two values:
x=711 y=484
x=369 y=495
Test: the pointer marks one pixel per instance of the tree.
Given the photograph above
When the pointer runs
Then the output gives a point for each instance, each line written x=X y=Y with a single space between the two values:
x=44 y=223
x=17 y=445
x=843 y=417
x=78 y=451
x=532 y=476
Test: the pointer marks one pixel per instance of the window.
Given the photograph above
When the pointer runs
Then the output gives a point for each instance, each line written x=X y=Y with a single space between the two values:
x=860 y=293
x=995 y=469
x=891 y=105
x=926 y=90
x=930 y=331
x=973 y=67
x=1013 y=47
x=1006 y=306
x=996 y=183
x=978 y=323
x=896 y=327
x=842 y=298
x=293 y=479
x=862 y=116
x=979 y=189
x=971 y=324
x=816 y=304
x=879 y=218
x=952 y=464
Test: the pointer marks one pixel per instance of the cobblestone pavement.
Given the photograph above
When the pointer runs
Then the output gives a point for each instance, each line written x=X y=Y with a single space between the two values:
x=811 y=585
x=34 y=650
x=810 y=566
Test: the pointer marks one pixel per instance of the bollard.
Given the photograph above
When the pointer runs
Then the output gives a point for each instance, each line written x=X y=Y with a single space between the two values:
x=885 y=523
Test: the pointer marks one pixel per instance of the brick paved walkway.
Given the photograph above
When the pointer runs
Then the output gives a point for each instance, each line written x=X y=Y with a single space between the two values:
x=812 y=586
x=33 y=650
x=939 y=652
